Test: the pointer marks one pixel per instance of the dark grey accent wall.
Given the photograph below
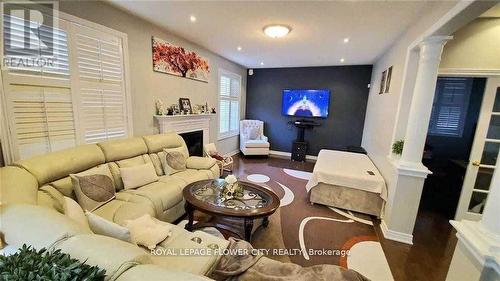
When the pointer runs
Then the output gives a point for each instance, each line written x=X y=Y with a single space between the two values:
x=348 y=99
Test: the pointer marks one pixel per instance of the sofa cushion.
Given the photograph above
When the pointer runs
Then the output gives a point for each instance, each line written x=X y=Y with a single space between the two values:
x=138 y=176
x=122 y=149
x=157 y=143
x=200 y=163
x=51 y=197
x=118 y=211
x=17 y=186
x=256 y=143
x=56 y=165
x=191 y=175
x=113 y=255
x=35 y=225
x=65 y=186
x=161 y=195
x=148 y=231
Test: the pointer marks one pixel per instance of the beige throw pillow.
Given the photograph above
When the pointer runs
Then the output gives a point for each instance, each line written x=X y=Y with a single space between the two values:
x=104 y=227
x=75 y=212
x=147 y=231
x=93 y=191
x=174 y=162
x=137 y=176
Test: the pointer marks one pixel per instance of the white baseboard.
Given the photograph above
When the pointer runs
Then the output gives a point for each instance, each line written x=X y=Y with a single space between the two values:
x=288 y=155
x=395 y=235
x=232 y=153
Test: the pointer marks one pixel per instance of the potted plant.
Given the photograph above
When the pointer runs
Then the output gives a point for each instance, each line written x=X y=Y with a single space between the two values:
x=397 y=148
x=30 y=264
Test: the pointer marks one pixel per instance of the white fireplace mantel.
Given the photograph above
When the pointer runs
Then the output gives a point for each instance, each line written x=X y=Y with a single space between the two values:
x=186 y=123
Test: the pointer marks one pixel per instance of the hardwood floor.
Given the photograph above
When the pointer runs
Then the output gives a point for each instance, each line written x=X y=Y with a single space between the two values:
x=434 y=239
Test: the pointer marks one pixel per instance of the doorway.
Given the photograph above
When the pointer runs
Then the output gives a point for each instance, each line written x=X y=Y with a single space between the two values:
x=452 y=128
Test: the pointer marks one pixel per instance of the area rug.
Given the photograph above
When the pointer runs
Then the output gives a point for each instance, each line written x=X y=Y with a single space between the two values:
x=309 y=234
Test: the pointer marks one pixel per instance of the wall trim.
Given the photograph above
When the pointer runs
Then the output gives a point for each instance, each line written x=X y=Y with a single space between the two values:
x=478 y=72
x=395 y=235
x=277 y=153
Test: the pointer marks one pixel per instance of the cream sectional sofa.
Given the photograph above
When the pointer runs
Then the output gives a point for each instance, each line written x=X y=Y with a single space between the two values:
x=44 y=180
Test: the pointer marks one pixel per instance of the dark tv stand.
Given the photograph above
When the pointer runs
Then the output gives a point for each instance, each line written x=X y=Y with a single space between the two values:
x=299 y=146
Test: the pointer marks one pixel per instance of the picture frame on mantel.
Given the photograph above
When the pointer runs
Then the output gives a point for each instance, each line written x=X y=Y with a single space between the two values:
x=388 y=80
x=185 y=105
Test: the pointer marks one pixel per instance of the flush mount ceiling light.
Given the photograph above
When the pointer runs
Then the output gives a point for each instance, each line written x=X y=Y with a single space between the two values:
x=192 y=18
x=276 y=30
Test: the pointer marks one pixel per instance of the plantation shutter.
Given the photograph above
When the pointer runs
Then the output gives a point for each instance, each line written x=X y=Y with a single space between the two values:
x=229 y=104
x=451 y=103
x=43 y=119
x=52 y=59
x=103 y=110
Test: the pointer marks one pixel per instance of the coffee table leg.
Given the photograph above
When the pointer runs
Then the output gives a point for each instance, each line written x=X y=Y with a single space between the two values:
x=248 y=228
x=190 y=213
x=265 y=222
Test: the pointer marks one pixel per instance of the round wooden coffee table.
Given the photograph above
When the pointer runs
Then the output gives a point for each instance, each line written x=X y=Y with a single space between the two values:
x=236 y=215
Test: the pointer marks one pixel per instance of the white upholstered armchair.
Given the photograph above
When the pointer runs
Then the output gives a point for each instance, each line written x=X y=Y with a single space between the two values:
x=252 y=139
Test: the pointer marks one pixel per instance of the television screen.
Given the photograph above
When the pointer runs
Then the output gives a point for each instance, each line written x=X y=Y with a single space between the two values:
x=306 y=103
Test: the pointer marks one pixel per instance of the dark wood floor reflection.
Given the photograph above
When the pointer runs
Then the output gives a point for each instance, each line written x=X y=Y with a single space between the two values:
x=428 y=259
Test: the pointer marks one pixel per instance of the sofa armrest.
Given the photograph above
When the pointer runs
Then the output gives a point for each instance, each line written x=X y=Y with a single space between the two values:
x=200 y=163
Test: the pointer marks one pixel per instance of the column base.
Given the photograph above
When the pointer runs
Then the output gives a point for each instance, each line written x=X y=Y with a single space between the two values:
x=395 y=235
x=479 y=247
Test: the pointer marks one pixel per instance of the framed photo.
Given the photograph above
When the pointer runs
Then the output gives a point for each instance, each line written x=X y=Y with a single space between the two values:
x=388 y=80
x=185 y=105
x=382 y=82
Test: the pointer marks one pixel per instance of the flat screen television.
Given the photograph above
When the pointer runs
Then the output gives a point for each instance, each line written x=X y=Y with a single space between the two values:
x=305 y=103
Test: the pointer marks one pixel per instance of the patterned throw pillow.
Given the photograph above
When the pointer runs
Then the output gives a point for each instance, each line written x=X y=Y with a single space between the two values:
x=174 y=162
x=93 y=191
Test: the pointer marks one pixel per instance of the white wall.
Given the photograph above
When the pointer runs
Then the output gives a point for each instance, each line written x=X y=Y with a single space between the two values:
x=148 y=86
x=475 y=46
x=381 y=125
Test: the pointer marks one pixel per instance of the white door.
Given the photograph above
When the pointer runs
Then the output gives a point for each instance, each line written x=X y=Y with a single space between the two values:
x=483 y=157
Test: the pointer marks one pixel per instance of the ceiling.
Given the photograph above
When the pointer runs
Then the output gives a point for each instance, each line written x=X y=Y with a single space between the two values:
x=316 y=39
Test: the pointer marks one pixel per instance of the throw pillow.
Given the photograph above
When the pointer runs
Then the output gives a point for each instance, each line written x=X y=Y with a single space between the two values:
x=75 y=212
x=174 y=162
x=93 y=191
x=137 y=176
x=147 y=231
x=107 y=228
x=253 y=133
x=217 y=157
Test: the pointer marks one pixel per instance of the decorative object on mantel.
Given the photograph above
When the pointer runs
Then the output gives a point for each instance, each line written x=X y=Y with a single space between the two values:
x=382 y=82
x=388 y=79
x=185 y=106
x=160 y=108
x=175 y=60
x=213 y=110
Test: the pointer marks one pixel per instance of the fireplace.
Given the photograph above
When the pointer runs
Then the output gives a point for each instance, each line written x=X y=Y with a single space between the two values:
x=194 y=142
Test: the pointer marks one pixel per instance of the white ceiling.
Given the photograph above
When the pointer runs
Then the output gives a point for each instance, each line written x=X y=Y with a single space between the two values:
x=318 y=28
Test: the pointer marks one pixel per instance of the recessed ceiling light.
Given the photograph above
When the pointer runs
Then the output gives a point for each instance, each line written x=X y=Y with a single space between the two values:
x=192 y=18
x=346 y=40
x=261 y=63
x=239 y=48
x=342 y=60
x=276 y=30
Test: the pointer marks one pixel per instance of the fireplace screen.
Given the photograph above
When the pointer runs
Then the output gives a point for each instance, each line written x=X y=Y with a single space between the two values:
x=194 y=142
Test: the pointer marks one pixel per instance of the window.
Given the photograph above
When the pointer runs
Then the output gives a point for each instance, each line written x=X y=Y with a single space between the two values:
x=79 y=96
x=229 y=103
x=450 y=106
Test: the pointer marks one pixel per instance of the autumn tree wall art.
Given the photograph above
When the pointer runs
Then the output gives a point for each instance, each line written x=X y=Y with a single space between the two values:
x=175 y=60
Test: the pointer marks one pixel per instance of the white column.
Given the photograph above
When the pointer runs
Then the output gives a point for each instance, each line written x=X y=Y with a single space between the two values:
x=423 y=97
x=491 y=213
